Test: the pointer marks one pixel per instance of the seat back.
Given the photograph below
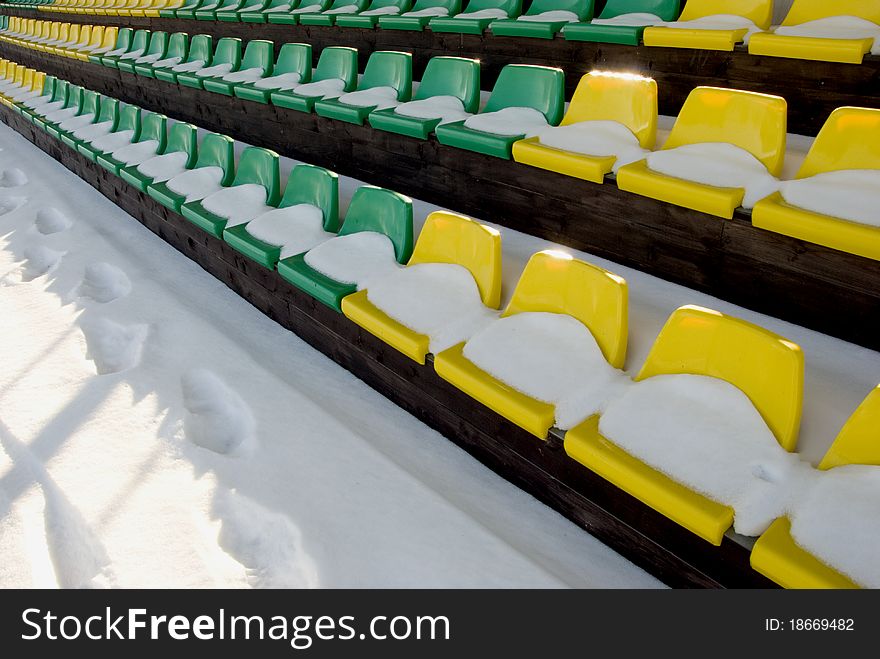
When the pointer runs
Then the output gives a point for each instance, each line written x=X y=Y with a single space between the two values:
x=129 y=119
x=158 y=44
x=38 y=82
x=85 y=36
x=512 y=7
x=183 y=137
x=108 y=110
x=387 y=68
x=45 y=29
x=110 y=38
x=338 y=4
x=526 y=85
x=88 y=103
x=308 y=184
x=626 y=98
x=554 y=282
x=274 y=4
x=229 y=5
x=859 y=440
x=378 y=4
x=383 y=211
x=766 y=367
x=259 y=54
x=201 y=47
x=754 y=122
x=139 y=41
x=295 y=58
x=452 y=76
x=27 y=78
x=850 y=139
x=582 y=8
x=61 y=91
x=123 y=38
x=49 y=83
x=803 y=11
x=97 y=36
x=760 y=12
x=73 y=33
x=74 y=97
x=54 y=29
x=454 y=6
x=260 y=166
x=63 y=32
x=218 y=151
x=228 y=51
x=153 y=128
x=178 y=45
x=451 y=238
x=337 y=62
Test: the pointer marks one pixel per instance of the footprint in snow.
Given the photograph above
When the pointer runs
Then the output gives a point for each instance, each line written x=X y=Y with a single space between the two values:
x=114 y=347
x=104 y=283
x=52 y=220
x=39 y=260
x=9 y=204
x=12 y=178
x=217 y=418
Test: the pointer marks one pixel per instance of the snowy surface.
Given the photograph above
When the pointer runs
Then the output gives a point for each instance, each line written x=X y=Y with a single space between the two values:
x=378 y=97
x=168 y=62
x=164 y=167
x=135 y=154
x=381 y=11
x=245 y=75
x=718 y=22
x=428 y=11
x=835 y=27
x=77 y=122
x=196 y=183
x=330 y=88
x=109 y=142
x=216 y=71
x=550 y=16
x=484 y=13
x=848 y=194
x=288 y=80
x=509 y=122
x=445 y=108
x=355 y=258
x=237 y=204
x=310 y=9
x=636 y=19
x=295 y=229
x=347 y=9
x=596 y=138
x=188 y=67
x=93 y=131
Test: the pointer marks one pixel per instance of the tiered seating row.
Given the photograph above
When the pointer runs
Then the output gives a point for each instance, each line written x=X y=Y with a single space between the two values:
x=695 y=341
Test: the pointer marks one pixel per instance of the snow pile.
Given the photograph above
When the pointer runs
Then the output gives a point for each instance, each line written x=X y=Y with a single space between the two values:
x=848 y=194
x=104 y=283
x=12 y=178
x=596 y=138
x=93 y=131
x=245 y=75
x=355 y=258
x=58 y=116
x=837 y=521
x=282 y=81
x=26 y=95
x=310 y=9
x=161 y=168
x=109 y=142
x=116 y=52
x=380 y=98
x=440 y=300
x=167 y=63
x=217 y=418
x=112 y=346
x=136 y=153
x=484 y=13
x=445 y=108
x=295 y=229
x=147 y=59
x=705 y=433
x=428 y=11
x=718 y=22
x=132 y=55
x=45 y=99
x=78 y=121
x=509 y=122
x=719 y=164
x=552 y=358
x=40 y=260
x=197 y=183
x=329 y=88
x=9 y=204
x=216 y=71
x=555 y=16
x=189 y=67
x=237 y=204
x=347 y=9
x=381 y=11
x=835 y=27
x=51 y=220
x=47 y=108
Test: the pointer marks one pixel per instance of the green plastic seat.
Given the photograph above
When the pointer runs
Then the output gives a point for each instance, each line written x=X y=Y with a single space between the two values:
x=74 y=98
x=200 y=48
x=512 y=8
x=129 y=118
x=138 y=43
x=371 y=209
x=306 y=184
x=256 y=165
x=384 y=69
x=324 y=18
x=257 y=55
x=89 y=105
x=511 y=27
x=228 y=51
x=416 y=23
x=630 y=35
x=178 y=44
x=292 y=58
x=258 y=12
x=215 y=151
x=157 y=45
x=288 y=18
x=181 y=138
x=152 y=128
x=369 y=22
x=59 y=95
x=228 y=10
x=444 y=76
x=123 y=40
x=108 y=110
x=334 y=62
x=518 y=85
x=208 y=10
x=188 y=10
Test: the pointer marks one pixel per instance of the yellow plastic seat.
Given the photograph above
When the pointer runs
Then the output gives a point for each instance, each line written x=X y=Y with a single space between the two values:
x=850 y=139
x=54 y=31
x=760 y=12
x=776 y=555
x=551 y=282
x=850 y=51
x=445 y=238
x=698 y=341
x=24 y=78
x=628 y=99
x=751 y=121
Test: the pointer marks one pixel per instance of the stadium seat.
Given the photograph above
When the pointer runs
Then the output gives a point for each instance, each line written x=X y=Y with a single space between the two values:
x=464 y=24
x=260 y=10
x=444 y=76
x=750 y=121
x=82 y=41
x=74 y=99
x=306 y=184
x=759 y=12
x=371 y=209
x=200 y=49
x=445 y=238
x=106 y=44
x=88 y=110
x=188 y=9
x=847 y=141
x=698 y=341
x=369 y=17
x=582 y=10
x=178 y=43
x=228 y=10
x=108 y=111
x=293 y=58
x=256 y=165
x=182 y=138
x=227 y=51
x=291 y=16
x=47 y=96
x=208 y=10
x=328 y=16
x=36 y=90
x=849 y=51
x=258 y=54
x=384 y=69
x=60 y=91
x=214 y=151
x=136 y=44
x=67 y=40
x=626 y=99
x=156 y=48
x=128 y=120
x=335 y=62
x=153 y=128
x=518 y=85
x=551 y=282
x=421 y=14
x=123 y=41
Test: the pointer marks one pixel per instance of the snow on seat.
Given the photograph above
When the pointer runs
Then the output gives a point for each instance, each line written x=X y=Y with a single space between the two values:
x=420 y=15
x=72 y=108
x=335 y=74
x=214 y=168
x=527 y=387
x=228 y=10
x=198 y=55
x=155 y=50
x=47 y=96
x=624 y=21
x=86 y=114
x=712 y=24
x=296 y=10
x=841 y=31
x=544 y=18
x=108 y=116
x=449 y=91
x=611 y=121
x=178 y=155
x=387 y=80
x=259 y=11
x=830 y=535
x=328 y=16
x=477 y=16
x=695 y=437
x=724 y=151
x=833 y=200
x=376 y=237
x=175 y=52
x=369 y=17
x=255 y=64
x=256 y=185
x=136 y=46
x=122 y=43
x=108 y=43
x=521 y=93
x=307 y=215
x=225 y=59
x=292 y=68
x=208 y=11
x=450 y=289
x=152 y=131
